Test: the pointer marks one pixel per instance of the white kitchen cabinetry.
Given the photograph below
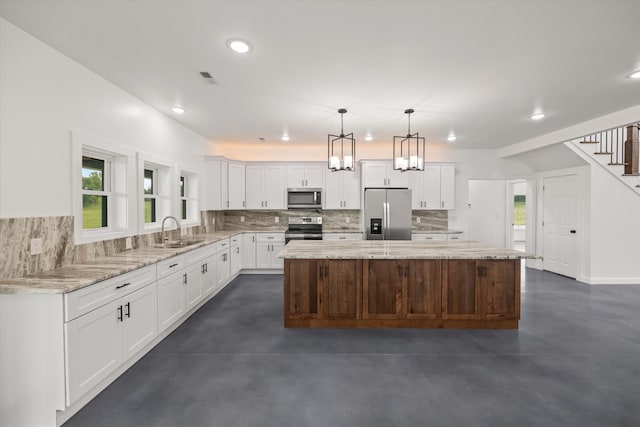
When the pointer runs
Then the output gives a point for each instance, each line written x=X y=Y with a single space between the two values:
x=456 y=237
x=433 y=188
x=223 y=269
x=304 y=175
x=342 y=190
x=429 y=236
x=236 y=186
x=342 y=236
x=267 y=248
x=265 y=186
x=171 y=306
x=380 y=174
x=192 y=286
x=248 y=250
x=216 y=174
x=235 y=255
x=100 y=340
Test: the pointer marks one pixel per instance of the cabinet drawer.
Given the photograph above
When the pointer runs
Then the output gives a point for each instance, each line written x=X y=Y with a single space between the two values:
x=222 y=245
x=198 y=255
x=342 y=236
x=426 y=236
x=270 y=237
x=87 y=299
x=235 y=239
x=456 y=237
x=171 y=265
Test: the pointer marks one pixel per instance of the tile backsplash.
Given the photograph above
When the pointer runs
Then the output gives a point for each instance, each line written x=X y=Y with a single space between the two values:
x=59 y=250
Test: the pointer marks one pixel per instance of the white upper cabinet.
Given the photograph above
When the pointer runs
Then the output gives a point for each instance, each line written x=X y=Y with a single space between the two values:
x=342 y=190
x=216 y=186
x=236 y=186
x=304 y=175
x=380 y=174
x=433 y=188
x=265 y=186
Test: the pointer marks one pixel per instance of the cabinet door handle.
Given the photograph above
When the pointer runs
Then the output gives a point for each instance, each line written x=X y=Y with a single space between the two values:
x=442 y=204
x=120 y=313
x=184 y=279
x=128 y=313
x=253 y=239
x=238 y=251
x=266 y=203
x=243 y=203
x=123 y=285
x=173 y=265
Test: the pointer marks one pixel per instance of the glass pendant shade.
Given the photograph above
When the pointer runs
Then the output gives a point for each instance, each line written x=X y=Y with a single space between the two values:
x=408 y=150
x=341 y=149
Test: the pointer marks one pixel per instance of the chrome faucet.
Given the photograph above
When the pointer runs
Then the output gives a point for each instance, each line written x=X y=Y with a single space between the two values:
x=164 y=239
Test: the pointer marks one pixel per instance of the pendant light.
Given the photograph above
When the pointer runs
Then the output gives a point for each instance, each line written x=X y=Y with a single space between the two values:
x=408 y=151
x=341 y=149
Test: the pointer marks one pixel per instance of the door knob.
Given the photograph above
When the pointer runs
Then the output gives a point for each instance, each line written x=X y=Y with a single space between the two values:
x=573 y=231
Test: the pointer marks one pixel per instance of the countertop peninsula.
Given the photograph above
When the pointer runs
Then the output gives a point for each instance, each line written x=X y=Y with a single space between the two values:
x=396 y=249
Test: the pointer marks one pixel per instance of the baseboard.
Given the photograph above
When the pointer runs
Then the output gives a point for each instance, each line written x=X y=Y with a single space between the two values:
x=600 y=281
x=262 y=271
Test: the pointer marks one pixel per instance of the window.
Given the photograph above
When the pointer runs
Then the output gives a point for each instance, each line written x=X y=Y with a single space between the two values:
x=96 y=192
x=188 y=198
x=150 y=188
x=103 y=197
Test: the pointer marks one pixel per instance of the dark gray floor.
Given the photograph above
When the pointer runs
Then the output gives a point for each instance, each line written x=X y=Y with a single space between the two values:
x=575 y=361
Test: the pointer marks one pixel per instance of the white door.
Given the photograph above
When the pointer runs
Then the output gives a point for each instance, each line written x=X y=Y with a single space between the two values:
x=447 y=186
x=333 y=192
x=170 y=300
x=222 y=268
x=559 y=224
x=235 y=259
x=140 y=325
x=254 y=187
x=431 y=187
x=416 y=181
x=487 y=211
x=276 y=262
x=193 y=286
x=263 y=255
x=397 y=179
x=295 y=176
x=351 y=190
x=208 y=278
x=249 y=250
x=374 y=174
x=274 y=187
x=93 y=348
x=236 y=186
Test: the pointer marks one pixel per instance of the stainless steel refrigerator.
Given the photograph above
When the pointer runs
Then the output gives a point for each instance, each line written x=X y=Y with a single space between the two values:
x=387 y=213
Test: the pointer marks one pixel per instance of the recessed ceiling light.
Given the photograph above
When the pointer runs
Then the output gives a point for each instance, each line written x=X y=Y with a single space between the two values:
x=537 y=116
x=238 y=45
x=451 y=137
x=178 y=110
x=285 y=137
x=635 y=75
x=368 y=138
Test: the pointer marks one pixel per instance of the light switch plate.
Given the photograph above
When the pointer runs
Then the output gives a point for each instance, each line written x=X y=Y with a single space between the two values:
x=347 y=219
x=418 y=219
x=127 y=243
x=242 y=218
x=277 y=219
x=36 y=246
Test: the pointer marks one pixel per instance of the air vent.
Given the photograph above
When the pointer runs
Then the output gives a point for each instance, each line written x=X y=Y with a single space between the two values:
x=208 y=78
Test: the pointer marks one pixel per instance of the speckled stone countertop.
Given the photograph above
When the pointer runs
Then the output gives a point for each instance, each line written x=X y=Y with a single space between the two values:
x=396 y=249
x=77 y=276
x=436 y=232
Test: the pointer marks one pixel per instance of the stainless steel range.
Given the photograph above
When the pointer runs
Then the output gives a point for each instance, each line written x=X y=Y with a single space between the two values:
x=304 y=228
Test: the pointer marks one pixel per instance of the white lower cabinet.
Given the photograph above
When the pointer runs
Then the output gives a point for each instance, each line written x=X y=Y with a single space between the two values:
x=235 y=255
x=428 y=236
x=193 y=286
x=267 y=248
x=249 y=250
x=171 y=305
x=456 y=237
x=342 y=236
x=209 y=275
x=99 y=341
x=223 y=270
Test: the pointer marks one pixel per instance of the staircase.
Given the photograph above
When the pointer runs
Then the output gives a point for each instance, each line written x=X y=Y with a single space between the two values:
x=616 y=150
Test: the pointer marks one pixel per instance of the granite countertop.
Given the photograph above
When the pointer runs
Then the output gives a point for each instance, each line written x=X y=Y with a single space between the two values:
x=396 y=249
x=77 y=276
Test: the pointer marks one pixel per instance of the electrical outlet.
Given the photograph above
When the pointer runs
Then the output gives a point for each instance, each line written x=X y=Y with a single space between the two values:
x=36 y=246
x=277 y=219
x=127 y=243
x=242 y=218
x=183 y=231
x=213 y=221
x=347 y=220
x=418 y=219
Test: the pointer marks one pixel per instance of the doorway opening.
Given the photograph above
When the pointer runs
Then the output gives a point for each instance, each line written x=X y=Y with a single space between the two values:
x=517 y=204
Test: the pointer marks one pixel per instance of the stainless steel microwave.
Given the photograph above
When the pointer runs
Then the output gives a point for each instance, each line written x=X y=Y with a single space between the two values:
x=304 y=198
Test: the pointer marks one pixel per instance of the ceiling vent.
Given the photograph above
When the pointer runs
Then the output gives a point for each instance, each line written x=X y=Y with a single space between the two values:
x=208 y=78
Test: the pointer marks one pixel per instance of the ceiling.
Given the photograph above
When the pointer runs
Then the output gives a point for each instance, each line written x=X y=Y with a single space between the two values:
x=476 y=68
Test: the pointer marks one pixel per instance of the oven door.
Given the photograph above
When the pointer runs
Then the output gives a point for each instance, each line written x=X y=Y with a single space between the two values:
x=301 y=236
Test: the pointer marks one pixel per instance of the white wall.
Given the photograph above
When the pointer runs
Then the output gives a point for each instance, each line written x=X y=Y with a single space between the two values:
x=615 y=230
x=44 y=96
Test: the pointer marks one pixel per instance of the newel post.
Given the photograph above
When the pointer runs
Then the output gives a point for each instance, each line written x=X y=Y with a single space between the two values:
x=632 y=150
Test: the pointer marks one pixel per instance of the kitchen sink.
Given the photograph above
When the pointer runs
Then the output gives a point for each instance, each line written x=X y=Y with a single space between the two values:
x=178 y=244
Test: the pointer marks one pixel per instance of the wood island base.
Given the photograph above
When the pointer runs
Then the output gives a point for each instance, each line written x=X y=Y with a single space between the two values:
x=402 y=293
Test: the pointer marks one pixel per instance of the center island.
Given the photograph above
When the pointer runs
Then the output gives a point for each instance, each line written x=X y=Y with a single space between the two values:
x=400 y=284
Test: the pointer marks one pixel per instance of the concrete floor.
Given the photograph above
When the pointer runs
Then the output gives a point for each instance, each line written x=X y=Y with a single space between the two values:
x=575 y=361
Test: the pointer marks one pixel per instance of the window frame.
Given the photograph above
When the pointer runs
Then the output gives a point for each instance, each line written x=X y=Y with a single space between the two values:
x=121 y=205
x=107 y=173
x=190 y=198
x=163 y=191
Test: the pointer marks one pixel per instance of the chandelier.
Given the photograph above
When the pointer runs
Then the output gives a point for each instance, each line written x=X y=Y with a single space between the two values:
x=408 y=151
x=341 y=148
